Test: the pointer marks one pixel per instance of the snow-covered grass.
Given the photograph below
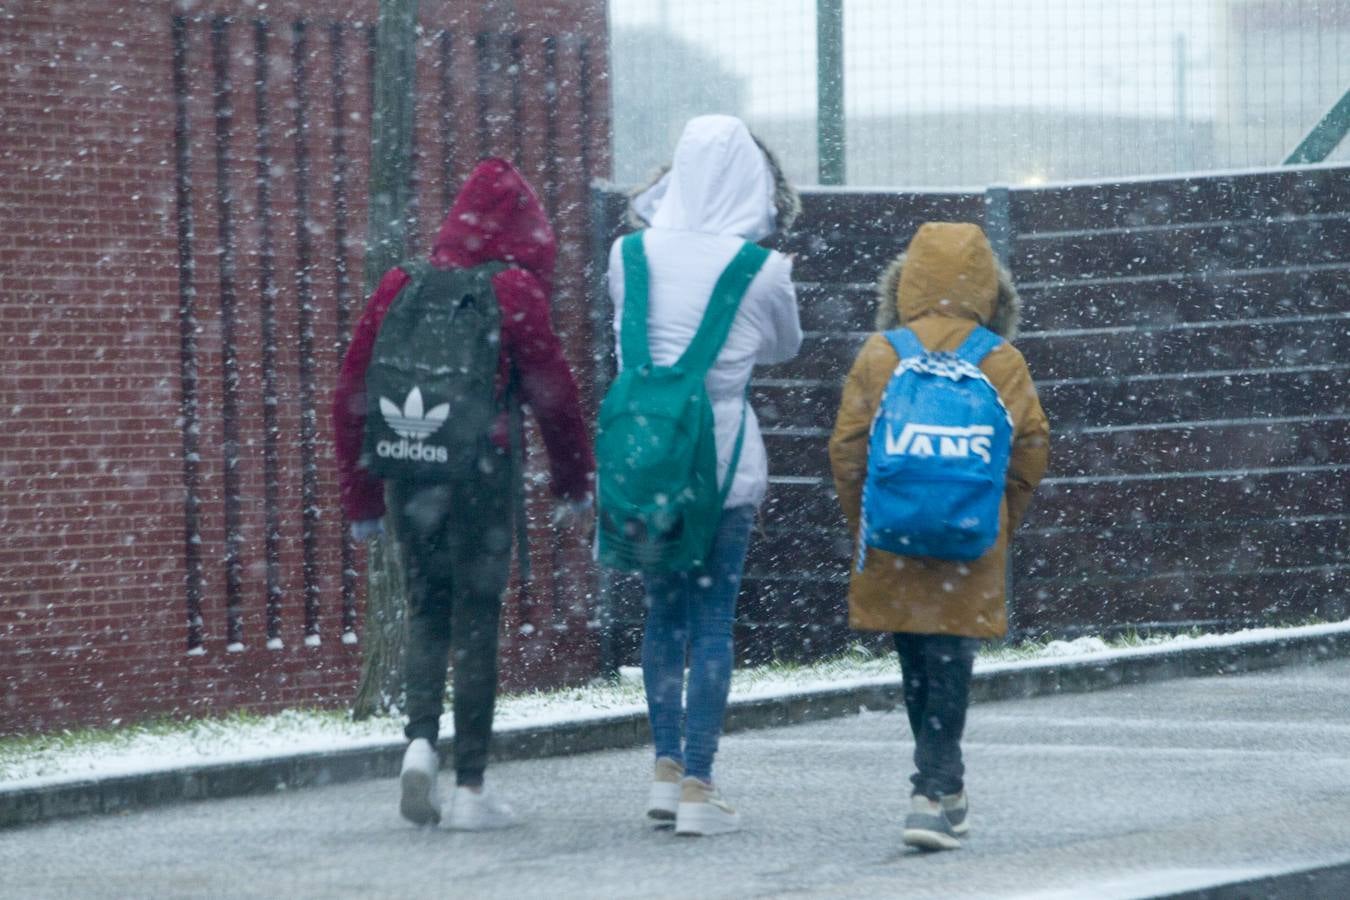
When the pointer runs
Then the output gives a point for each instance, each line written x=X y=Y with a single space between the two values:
x=160 y=745
x=65 y=756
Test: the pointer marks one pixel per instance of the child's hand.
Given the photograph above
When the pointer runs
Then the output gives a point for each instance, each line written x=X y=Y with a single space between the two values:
x=572 y=513
x=367 y=529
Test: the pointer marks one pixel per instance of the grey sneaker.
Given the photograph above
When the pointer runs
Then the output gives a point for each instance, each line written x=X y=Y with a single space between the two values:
x=418 y=802
x=663 y=802
x=703 y=811
x=957 y=808
x=927 y=826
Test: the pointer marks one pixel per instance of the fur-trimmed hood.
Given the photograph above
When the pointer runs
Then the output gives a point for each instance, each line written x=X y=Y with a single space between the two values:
x=954 y=273
x=725 y=180
x=947 y=282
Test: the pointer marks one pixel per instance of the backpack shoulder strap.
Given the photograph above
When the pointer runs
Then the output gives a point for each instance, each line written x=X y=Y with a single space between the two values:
x=726 y=298
x=725 y=490
x=905 y=342
x=634 y=351
x=516 y=436
x=415 y=269
x=978 y=345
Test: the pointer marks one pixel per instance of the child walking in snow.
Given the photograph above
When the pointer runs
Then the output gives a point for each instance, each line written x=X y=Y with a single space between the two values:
x=946 y=289
x=491 y=270
x=722 y=191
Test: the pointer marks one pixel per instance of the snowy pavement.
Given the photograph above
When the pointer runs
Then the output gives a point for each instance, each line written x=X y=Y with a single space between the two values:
x=1130 y=792
x=239 y=741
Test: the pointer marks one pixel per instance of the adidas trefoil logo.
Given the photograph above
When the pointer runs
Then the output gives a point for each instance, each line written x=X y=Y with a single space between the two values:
x=409 y=422
x=414 y=426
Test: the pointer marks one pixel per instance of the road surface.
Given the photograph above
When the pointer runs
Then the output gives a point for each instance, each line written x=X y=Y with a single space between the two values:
x=1131 y=792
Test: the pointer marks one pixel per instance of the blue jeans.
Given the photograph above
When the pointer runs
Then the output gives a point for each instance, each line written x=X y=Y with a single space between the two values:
x=691 y=613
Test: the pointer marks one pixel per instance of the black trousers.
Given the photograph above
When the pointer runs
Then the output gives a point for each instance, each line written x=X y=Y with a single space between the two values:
x=936 y=670
x=455 y=541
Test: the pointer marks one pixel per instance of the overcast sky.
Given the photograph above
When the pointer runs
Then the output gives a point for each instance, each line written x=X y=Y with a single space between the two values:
x=1117 y=56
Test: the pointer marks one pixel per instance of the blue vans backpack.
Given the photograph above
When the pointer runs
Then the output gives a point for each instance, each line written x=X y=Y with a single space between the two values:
x=937 y=455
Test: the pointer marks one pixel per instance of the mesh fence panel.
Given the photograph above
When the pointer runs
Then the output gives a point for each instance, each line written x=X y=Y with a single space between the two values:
x=989 y=91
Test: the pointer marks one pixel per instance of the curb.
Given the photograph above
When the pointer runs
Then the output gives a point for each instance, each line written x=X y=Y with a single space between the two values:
x=121 y=794
x=1330 y=882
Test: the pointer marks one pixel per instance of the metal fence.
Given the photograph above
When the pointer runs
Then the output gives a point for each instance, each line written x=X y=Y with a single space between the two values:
x=1198 y=452
x=985 y=91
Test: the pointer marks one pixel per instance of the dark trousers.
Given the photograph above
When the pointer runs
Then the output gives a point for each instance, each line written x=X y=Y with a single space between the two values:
x=456 y=547
x=936 y=670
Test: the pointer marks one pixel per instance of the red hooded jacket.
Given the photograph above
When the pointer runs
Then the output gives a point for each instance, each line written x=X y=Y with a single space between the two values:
x=496 y=217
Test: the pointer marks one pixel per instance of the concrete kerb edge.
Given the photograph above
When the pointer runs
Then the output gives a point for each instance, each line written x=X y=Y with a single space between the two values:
x=124 y=793
x=1331 y=881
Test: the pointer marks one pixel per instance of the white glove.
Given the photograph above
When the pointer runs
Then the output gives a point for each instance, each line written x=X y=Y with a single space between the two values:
x=366 y=529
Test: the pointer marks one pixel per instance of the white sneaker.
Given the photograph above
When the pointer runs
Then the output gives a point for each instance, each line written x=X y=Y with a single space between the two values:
x=664 y=799
x=417 y=780
x=480 y=810
x=702 y=810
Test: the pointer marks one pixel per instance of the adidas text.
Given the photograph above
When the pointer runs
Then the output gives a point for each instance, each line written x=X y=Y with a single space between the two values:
x=940 y=440
x=415 y=451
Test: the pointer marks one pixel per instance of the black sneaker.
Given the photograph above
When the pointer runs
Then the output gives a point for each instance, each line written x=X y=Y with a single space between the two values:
x=927 y=826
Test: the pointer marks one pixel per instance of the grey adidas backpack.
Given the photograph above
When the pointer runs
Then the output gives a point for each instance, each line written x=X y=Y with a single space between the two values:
x=431 y=382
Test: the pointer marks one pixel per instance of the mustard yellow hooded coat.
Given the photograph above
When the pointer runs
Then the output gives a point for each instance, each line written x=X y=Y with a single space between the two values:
x=947 y=282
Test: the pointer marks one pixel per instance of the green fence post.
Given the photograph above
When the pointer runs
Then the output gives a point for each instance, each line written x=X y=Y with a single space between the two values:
x=391 y=138
x=830 y=91
x=998 y=228
x=391 y=128
x=998 y=221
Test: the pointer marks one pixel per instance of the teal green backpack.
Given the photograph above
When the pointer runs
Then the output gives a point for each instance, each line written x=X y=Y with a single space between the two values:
x=659 y=501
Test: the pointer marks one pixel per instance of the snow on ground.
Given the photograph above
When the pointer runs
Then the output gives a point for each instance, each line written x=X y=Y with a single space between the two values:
x=27 y=762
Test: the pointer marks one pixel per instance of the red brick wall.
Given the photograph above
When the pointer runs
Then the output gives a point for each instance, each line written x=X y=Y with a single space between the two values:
x=103 y=344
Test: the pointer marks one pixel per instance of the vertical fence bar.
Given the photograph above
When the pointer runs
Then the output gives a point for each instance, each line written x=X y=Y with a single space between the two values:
x=483 y=89
x=516 y=71
x=830 y=135
x=602 y=354
x=551 y=147
x=584 y=69
x=221 y=101
x=412 y=211
x=267 y=310
x=343 y=289
x=445 y=51
x=187 y=326
x=304 y=253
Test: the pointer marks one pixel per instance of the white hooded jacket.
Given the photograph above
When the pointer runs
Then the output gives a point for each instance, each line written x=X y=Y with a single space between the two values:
x=718 y=194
